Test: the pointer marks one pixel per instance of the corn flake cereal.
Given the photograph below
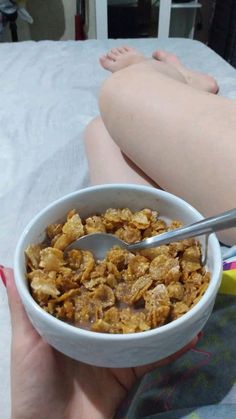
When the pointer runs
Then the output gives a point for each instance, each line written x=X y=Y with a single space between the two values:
x=125 y=292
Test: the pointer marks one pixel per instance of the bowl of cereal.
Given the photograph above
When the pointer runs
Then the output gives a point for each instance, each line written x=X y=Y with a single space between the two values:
x=127 y=309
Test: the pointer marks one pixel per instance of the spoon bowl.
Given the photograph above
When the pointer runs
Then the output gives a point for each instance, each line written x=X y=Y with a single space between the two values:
x=100 y=243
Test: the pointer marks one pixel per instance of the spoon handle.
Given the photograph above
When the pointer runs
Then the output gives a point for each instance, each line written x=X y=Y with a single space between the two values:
x=208 y=225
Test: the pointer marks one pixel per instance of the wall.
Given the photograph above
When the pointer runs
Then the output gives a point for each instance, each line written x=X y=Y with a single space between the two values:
x=53 y=19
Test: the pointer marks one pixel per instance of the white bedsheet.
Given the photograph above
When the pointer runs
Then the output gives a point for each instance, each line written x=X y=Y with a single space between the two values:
x=48 y=94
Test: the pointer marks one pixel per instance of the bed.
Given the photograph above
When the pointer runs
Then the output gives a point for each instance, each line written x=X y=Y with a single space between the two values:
x=48 y=94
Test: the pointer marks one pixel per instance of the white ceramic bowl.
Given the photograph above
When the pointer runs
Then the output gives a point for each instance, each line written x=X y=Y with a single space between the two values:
x=107 y=350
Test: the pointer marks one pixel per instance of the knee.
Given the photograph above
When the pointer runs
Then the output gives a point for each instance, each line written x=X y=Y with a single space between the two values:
x=111 y=94
x=120 y=85
x=105 y=95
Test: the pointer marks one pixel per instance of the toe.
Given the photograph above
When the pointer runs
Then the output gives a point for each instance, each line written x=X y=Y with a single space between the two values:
x=159 y=55
x=106 y=62
x=213 y=86
x=122 y=50
x=115 y=51
x=132 y=50
x=112 y=55
x=166 y=57
x=126 y=48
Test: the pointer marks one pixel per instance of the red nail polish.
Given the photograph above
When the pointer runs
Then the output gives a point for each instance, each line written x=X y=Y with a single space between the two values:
x=3 y=276
x=200 y=334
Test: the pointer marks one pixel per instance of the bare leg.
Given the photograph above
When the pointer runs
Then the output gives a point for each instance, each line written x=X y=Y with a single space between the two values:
x=182 y=138
x=107 y=164
x=106 y=161
x=193 y=78
x=165 y=63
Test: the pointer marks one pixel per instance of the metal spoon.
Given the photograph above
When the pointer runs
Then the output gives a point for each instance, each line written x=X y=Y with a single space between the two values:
x=100 y=243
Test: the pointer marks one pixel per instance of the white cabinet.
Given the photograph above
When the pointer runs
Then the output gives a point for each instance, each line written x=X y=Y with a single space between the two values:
x=101 y=19
x=165 y=9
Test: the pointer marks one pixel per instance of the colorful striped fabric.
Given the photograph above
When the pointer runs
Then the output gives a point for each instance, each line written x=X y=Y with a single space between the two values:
x=228 y=283
x=227 y=266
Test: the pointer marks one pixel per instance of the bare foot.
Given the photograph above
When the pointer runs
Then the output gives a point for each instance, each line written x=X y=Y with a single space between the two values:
x=119 y=58
x=193 y=78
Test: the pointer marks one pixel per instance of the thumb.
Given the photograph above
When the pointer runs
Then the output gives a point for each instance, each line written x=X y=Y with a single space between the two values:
x=19 y=319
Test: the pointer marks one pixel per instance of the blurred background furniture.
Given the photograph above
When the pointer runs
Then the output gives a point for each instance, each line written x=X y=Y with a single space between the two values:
x=222 y=37
x=166 y=7
x=9 y=12
x=186 y=11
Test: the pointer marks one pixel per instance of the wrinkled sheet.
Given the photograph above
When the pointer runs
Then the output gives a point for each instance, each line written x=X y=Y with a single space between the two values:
x=48 y=94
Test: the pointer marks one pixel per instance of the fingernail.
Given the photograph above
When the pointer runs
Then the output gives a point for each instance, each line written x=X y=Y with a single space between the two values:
x=200 y=335
x=3 y=276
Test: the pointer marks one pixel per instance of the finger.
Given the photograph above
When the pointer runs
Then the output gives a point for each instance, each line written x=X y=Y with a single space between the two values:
x=19 y=320
x=140 y=371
